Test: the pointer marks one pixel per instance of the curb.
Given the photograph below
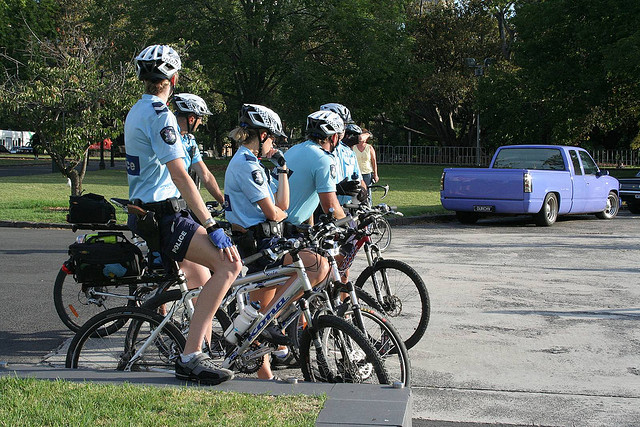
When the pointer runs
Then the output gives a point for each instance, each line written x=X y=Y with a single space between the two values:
x=347 y=404
x=429 y=218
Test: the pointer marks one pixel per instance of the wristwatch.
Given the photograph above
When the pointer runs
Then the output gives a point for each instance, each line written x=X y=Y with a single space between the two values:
x=281 y=170
x=209 y=223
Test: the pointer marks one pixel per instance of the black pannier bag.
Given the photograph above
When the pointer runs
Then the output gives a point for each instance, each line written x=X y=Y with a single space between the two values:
x=105 y=257
x=90 y=209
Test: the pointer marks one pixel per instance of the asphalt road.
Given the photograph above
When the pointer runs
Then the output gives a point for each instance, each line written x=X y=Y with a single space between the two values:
x=529 y=325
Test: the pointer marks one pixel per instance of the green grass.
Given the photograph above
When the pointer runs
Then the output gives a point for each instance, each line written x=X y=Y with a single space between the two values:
x=45 y=197
x=30 y=402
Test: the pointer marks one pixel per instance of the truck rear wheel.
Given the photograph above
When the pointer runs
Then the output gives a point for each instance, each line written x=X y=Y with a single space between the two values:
x=549 y=212
x=467 y=217
x=613 y=204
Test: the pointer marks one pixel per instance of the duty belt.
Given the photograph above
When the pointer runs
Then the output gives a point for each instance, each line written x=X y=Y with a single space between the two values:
x=261 y=231
x=166 y=207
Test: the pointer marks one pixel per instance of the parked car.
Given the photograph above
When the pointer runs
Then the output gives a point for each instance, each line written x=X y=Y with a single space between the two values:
x=25 y=149
x=630 y=193
x=539 y=180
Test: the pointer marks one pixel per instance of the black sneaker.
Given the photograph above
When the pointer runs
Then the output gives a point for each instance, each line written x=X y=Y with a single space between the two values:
x=286 y=362
x=202 y=369
x=274 y=335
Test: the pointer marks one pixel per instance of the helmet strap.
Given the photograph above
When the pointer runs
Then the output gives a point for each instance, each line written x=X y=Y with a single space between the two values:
x=190 y=125
x=172 y=81
x=261 y=141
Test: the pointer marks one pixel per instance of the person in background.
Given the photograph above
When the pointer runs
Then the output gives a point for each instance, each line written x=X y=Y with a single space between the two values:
x=160 y=186
x=366 y=156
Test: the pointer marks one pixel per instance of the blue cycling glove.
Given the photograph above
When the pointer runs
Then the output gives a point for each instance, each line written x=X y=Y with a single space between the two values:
x=219 y=238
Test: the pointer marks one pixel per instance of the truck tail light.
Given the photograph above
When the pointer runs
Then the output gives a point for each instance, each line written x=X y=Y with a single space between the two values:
x=442 y=181
x=528 y=187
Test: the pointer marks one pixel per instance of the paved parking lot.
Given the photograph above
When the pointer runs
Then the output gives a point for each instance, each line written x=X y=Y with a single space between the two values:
x=529 y=325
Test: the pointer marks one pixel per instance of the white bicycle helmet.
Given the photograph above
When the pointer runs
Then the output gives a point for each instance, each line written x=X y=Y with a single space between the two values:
x=255 y=116
x=340 y=110
x=324 y=123
x=157 y=62
x=188 y=103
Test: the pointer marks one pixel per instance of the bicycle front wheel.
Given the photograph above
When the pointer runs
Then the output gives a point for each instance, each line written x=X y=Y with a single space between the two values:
x=400 y=291
x=381 y=236
x=386 y=340
x=76 y=303
x=136 y=346
x=335 y=351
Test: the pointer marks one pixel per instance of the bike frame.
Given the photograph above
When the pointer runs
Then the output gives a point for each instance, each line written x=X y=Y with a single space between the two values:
x=241 y=286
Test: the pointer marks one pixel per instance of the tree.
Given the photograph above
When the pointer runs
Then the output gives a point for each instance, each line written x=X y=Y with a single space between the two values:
x=288 y=54
x=442 y=106
x=73 y=96
x=574 y=78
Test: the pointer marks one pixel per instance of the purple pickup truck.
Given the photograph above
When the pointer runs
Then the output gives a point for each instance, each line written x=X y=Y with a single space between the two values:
x=539 y=180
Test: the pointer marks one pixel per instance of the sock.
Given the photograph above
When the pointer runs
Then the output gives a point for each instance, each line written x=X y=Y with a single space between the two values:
x=281 y=353
x=186 y=358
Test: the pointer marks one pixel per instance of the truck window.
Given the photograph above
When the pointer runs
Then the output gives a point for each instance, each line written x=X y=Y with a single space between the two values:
x=576 y=162
x=590 y=167
x=529 y=158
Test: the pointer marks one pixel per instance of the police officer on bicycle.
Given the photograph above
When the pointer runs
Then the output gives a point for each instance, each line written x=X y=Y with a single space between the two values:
x=160 y=185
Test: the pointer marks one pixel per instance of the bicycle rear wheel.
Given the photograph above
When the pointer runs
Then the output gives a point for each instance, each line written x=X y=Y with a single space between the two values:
x=76 y=303
x=401 y=294
x=91 y=349
x=335 y=351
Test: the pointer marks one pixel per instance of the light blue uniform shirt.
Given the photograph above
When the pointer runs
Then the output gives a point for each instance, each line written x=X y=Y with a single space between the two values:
x=152 y=139
x=245 y=183
x=313 y=171
x=191 y=151
x=347 y=167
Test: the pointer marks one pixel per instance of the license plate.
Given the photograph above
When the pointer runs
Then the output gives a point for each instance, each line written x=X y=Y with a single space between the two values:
x=484 y=208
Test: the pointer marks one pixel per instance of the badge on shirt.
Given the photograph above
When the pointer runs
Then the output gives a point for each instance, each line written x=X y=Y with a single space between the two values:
x=257 y=177
x=332 y=169
x=168 y=135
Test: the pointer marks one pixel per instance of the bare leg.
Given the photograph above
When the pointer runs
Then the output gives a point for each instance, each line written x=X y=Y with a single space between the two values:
x=317 y=269
x=202 y=251
x=197 y=275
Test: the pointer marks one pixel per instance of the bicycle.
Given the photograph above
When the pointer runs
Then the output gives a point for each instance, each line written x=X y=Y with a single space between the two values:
x=381 y=227
x=391 y=286
x=340 y=352
x=383 y=335
x=385 y=339
x=77 y=301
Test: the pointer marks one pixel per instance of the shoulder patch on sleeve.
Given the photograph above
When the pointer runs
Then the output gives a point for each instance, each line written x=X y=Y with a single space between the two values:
x=249 y=157
x=257 y=177
x=168 y=135
x=332 y=170
x=159 y=107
